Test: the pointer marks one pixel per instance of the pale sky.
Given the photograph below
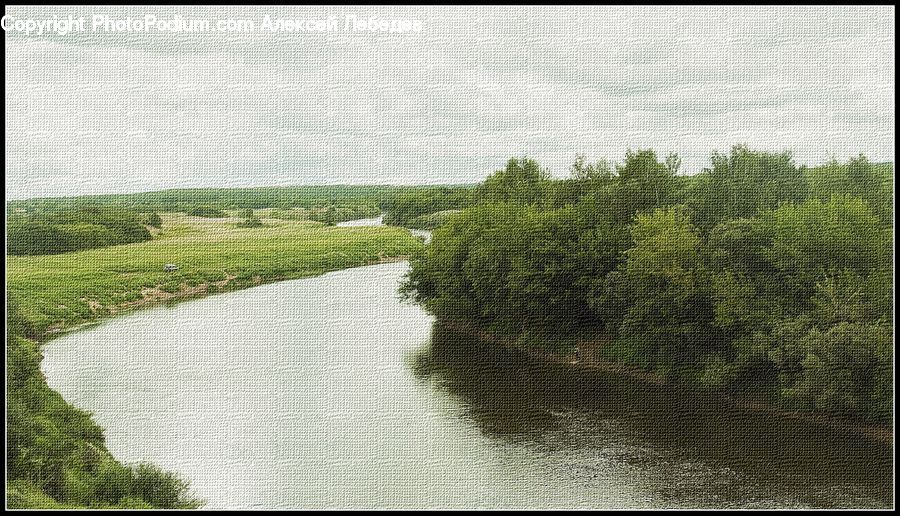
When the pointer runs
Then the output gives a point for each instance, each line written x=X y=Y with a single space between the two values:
x=126 y=112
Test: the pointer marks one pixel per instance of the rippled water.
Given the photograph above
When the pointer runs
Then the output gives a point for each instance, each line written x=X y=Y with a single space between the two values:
x=329 y=392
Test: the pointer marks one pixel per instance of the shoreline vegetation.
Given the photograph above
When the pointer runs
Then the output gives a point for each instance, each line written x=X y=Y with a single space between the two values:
x=763 y=282
x=879 y=432
x=56 y=456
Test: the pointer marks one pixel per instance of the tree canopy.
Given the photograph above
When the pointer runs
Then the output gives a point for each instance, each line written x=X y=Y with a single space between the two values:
x=755 y=275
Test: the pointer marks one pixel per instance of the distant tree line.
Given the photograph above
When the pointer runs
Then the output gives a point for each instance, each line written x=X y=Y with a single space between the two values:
x=185 y=200
x=755 y=275
x=74 y=228
x=405 y=207
x=402 y=205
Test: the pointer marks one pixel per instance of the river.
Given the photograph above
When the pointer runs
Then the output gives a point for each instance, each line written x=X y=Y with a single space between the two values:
x=329 y=392
x=379 y=221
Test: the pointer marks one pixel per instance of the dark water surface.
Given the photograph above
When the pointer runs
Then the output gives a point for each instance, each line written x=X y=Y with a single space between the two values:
x=329 y=392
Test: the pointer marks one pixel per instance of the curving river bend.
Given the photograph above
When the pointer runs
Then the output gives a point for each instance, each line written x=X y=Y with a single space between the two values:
x=329 y=392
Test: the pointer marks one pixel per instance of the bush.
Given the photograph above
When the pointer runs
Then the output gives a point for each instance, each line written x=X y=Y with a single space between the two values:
x=159 y=488
x=153 y=219
x=65 y=230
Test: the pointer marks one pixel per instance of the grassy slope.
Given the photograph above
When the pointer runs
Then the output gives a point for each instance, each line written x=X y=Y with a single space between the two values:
x=64 y=290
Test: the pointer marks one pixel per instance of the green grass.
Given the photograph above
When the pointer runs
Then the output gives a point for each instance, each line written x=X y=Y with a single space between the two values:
x=61 y=291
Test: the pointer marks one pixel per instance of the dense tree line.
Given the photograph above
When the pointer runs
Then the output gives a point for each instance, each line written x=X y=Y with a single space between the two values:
x=754 y=275
x=329 y=214
x=412 y=207
x=74 y=228
x=332 y=214
x=282 y=197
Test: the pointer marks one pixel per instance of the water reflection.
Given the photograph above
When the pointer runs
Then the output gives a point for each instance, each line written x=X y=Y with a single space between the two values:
x=692 y=449
x=297 y=395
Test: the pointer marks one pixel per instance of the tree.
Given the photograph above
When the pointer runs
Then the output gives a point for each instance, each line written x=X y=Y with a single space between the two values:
x=585 y=172
x=443 y=276
x=153 y=219
x=857 y=178
x=844 y=369
x=643 y=184
x=250 y=220
x=667 y=324
x=522 y=181
x=744 y=184
x=813 y=240
x=748 y=285
x=73 y=228
x=329 y=217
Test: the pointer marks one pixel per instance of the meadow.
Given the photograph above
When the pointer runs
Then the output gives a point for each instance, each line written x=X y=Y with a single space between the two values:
x=63 y=290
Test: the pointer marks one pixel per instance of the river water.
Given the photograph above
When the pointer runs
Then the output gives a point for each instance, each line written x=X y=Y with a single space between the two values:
x=330 y=392
x=379 y=221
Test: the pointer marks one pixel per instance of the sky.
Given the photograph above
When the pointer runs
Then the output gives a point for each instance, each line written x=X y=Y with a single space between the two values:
x=114 y=112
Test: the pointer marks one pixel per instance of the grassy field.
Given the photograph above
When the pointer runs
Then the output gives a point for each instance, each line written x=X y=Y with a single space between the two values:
x=62 y=291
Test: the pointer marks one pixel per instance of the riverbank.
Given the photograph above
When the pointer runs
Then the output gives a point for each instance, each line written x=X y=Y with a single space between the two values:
x=58 y=456
x=58 y=292
x=588 y=359
x=157 y=296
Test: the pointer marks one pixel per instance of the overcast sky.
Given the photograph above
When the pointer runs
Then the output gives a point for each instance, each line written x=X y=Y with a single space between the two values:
x=126 y=112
